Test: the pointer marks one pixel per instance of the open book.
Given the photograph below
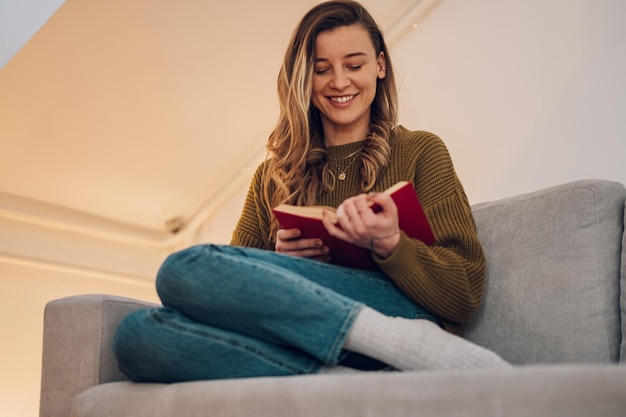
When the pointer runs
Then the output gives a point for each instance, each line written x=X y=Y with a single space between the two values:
x=412 y=221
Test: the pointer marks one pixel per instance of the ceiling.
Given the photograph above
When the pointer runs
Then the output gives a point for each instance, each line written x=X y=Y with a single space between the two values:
x=146 y=113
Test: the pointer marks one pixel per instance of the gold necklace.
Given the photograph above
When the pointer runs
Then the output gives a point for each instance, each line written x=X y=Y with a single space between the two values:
x=347 y=156
x=342 y=172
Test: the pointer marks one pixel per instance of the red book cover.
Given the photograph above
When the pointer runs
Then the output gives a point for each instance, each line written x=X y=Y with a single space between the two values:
x=411 y=216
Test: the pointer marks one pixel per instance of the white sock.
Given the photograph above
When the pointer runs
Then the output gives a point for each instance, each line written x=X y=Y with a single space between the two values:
x=411 y=345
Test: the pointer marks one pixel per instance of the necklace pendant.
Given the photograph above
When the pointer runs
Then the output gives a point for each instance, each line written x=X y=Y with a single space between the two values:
x=342 y=176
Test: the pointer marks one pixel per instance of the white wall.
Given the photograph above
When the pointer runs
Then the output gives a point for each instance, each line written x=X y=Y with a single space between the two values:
x=527 y=94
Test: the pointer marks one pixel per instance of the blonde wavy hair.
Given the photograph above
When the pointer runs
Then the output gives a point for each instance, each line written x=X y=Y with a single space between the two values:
x=296 y=169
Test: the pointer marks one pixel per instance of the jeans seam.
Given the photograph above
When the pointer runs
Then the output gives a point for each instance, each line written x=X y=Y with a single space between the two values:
x=154 y=315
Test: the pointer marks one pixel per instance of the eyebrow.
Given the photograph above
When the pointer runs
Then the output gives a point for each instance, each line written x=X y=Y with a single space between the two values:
x=352 y=55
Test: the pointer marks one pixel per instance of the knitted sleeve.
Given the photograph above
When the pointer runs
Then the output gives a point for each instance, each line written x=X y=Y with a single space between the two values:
x=253 y=226
x=447 y=277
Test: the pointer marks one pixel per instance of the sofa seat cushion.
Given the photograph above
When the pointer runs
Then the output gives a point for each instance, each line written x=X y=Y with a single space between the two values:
x=555 y=391
x=553 y=274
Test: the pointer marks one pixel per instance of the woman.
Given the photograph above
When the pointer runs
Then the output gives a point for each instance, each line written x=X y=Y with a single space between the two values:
x=272 y=303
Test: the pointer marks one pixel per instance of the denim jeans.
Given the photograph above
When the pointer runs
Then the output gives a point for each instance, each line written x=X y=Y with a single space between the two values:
x=234 y=312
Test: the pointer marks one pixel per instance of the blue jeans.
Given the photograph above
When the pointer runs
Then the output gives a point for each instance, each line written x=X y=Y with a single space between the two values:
x=234 y=312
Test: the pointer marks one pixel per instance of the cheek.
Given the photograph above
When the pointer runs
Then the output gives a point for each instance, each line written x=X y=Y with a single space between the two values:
x=317 y=96
x=317 y=86
x=372 y=81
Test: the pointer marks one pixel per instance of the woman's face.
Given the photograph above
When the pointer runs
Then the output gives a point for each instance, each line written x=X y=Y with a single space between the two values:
x=344 y=79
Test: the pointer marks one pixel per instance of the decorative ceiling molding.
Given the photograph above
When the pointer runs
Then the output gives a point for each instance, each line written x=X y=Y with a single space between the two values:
x=42 y=215
x=81 y=271
x=64 y=220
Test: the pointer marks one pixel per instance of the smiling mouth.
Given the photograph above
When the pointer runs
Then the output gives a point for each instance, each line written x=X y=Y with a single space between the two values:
x=342 y=99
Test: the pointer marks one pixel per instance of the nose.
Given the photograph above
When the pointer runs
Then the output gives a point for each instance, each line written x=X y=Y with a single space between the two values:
x=340 y=79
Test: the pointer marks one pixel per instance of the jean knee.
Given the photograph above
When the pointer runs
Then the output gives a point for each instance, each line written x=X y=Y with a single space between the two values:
x=181 y=268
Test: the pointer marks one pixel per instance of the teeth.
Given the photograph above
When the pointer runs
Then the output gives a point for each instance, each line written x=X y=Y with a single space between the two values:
x=342 y=99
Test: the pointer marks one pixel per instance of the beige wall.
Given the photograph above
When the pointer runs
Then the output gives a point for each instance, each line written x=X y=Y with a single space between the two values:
x=56 y=257
x=26 y=288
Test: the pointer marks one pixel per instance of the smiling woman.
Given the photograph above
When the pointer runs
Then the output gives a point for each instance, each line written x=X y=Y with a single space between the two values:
x=347 y=68
x=273 y=302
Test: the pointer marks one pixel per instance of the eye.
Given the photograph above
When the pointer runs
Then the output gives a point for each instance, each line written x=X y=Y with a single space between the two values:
x=320 y=71
x=355 y=67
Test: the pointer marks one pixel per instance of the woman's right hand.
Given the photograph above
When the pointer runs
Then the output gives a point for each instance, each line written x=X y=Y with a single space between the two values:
x=288 y=241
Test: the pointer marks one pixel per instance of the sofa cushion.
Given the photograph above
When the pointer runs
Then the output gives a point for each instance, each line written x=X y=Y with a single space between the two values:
x=546 y=391
x=553 y=274
x=622 y=357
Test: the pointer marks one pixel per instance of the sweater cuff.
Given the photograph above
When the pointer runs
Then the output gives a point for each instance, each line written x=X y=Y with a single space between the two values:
x=399 y=257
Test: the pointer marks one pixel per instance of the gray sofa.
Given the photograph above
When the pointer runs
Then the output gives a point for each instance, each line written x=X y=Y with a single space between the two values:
x=555 y=305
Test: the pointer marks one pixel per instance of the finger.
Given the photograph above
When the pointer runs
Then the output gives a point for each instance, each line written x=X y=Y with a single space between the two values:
x=311 y=252
x=349 y=212
x=352 y=227
x=301 y=247
x=347 y=219
x=335 y=229
x=385 y=202
x=298 y=245
x=347 y=209
x=328 y=222
x=288 y=234
x=361 y=203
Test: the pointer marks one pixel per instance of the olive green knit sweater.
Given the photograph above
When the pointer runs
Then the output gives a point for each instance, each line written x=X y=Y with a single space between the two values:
x=445 y=278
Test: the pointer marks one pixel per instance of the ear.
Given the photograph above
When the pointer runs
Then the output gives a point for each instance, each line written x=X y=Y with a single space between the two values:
x=381 y=62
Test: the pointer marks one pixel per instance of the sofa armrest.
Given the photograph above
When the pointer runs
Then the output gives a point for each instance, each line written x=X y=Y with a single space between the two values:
x=77 y=352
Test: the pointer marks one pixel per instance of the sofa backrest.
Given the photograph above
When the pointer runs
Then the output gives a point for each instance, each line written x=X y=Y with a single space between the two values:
x=622 y=356
x=554 y=260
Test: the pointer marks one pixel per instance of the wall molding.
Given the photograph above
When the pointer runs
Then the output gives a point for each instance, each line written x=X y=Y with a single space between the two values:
x=50 y=217
x=76 y=270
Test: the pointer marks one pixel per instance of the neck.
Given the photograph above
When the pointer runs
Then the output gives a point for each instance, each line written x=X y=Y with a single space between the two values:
x=336 y=136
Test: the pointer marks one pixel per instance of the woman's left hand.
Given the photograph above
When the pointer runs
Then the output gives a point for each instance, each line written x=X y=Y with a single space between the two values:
x=360 y=225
